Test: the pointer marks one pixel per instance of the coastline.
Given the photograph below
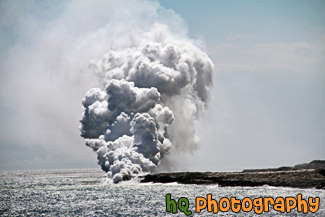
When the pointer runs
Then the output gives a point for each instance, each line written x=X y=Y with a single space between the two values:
x=311 y=175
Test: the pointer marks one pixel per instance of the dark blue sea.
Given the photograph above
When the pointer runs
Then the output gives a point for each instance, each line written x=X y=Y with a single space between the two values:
x=88 y=193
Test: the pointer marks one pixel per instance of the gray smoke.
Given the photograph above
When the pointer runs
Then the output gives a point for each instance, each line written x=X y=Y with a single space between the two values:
x=150 y=94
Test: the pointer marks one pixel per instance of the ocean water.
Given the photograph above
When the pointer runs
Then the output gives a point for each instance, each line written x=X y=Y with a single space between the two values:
x=87 y=193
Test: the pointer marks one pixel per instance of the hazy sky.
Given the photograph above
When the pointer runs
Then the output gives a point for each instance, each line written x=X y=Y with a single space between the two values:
x=267 y=104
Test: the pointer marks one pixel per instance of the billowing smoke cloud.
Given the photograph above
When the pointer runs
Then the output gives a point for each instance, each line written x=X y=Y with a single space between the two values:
x=149 y=96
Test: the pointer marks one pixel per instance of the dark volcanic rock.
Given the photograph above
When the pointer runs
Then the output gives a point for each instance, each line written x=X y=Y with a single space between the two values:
x=315 y=164
x=284 y=176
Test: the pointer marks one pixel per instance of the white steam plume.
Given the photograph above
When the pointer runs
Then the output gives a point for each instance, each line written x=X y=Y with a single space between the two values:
x=149 y=96
x=45 y=48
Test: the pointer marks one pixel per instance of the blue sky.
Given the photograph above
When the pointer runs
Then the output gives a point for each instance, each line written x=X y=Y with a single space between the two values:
x=267 y=105
x=268 y=101
x=271 y=21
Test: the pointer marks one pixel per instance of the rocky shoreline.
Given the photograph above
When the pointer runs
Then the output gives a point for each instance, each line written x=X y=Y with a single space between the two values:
x=311 y=175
